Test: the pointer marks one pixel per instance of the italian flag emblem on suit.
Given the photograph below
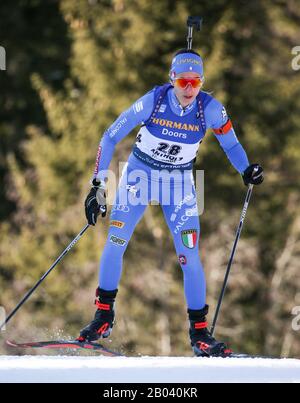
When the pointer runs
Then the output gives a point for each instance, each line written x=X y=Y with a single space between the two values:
x=189 y=238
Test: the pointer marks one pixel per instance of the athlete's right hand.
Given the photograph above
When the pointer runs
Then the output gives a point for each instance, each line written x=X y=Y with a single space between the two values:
x=254 y=175
x=95 y=202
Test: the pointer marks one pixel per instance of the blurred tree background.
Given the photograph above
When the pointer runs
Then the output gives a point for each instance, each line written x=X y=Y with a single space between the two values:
x=72 y=67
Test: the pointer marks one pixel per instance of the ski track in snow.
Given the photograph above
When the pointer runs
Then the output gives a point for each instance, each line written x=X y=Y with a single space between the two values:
x=102 y=369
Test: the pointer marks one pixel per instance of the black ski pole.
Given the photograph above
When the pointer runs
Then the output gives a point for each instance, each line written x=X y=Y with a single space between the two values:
x=238 y=233
x=25 y=298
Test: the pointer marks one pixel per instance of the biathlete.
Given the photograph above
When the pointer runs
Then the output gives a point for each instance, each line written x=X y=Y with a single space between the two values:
x=174 y=119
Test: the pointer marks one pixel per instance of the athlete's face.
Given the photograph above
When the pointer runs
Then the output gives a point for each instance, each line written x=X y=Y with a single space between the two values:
x=187 y=94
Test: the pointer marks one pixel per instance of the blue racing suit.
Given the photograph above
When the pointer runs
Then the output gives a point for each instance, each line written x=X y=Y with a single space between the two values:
x=159 y=169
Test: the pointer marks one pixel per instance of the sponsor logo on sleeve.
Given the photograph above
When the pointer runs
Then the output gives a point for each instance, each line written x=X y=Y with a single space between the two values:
x=117 y=224
x=98 y=160
x=138 y=107
x=224 y=115
x=115 y=129
x=117 y=241
x=120 y=207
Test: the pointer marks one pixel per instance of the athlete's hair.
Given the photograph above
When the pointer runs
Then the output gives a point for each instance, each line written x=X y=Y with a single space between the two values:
x=181 y=51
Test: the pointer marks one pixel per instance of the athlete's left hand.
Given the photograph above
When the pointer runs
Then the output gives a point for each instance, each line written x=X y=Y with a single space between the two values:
x=254 y=175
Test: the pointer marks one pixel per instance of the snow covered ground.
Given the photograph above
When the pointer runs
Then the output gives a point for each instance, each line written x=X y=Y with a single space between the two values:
x=146 y=369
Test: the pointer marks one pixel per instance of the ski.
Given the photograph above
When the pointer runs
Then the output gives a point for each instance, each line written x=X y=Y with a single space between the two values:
x=237 y=355
x=66 y=344
x=75 y=344
x=230 y=354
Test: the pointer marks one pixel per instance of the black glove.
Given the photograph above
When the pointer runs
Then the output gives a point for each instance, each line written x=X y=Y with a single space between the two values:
x=95 y=202
x=254 y=174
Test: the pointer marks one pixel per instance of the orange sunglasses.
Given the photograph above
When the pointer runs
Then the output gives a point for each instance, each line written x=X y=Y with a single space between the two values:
x=183 y=82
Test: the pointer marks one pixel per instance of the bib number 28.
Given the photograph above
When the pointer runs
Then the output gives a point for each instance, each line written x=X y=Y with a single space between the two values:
x=166 y=148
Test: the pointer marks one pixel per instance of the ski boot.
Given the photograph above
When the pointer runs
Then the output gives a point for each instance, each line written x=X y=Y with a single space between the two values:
x=102 y=324
x=203 y=344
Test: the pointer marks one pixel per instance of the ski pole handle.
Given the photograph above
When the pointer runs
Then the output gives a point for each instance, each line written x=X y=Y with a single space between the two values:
x=25 y=298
